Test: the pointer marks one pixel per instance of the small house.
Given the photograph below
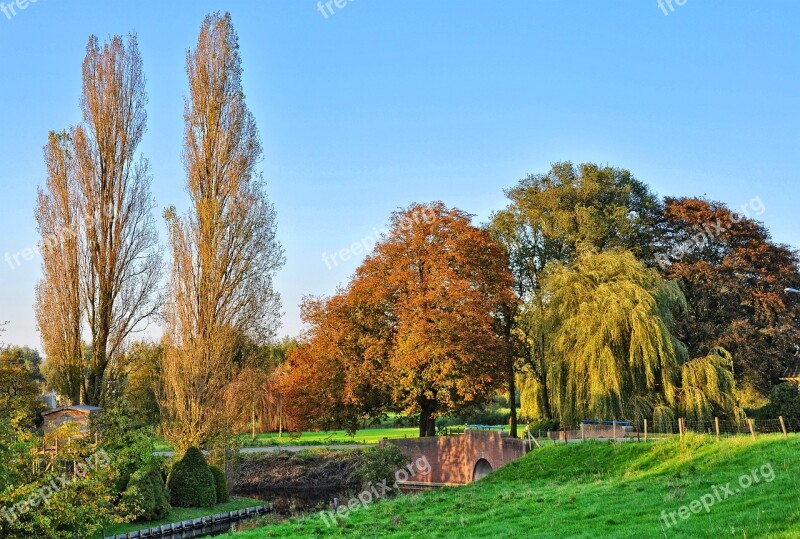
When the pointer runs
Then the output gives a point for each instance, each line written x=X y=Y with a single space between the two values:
x=79 y=414
x=792 y=372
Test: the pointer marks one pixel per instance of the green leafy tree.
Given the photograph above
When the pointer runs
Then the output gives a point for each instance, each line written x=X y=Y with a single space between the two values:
x=138 y=500
x=784 y=400
x=146 y=497
x=612 y=352
x=20 y=385
x=550 y=218
x=139 y=378
x=79 y=506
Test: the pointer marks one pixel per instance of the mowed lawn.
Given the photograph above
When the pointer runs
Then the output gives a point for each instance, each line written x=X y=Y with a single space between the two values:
x=597 y=489
x=366 y=436
x=333 y=437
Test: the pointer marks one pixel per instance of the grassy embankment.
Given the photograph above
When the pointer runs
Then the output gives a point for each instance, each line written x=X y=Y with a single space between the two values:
x=597 y=489
x=179 y=514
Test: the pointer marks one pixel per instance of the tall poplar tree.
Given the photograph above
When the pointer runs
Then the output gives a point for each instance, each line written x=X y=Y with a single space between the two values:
x=97 y=207
x=224 y=251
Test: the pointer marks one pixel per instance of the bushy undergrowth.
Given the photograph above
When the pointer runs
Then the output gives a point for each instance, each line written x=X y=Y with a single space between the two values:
x=379 y=464
x=220 y=484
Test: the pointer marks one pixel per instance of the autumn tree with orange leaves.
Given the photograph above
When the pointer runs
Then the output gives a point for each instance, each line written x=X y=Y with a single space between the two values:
x=733 y=276
x=417 y=331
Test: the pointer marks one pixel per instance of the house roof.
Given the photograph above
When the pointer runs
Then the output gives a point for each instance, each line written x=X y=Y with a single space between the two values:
x=75 y=407
x=792 y=372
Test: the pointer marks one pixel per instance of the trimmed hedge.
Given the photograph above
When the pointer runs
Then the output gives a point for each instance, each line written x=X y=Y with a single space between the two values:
x=191 y=482
x=221 y=484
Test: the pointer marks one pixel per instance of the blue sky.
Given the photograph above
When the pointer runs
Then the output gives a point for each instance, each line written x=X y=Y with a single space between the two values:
x=387 y=103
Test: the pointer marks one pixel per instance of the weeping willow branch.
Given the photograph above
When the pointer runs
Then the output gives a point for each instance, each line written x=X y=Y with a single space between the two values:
x=612 y=352
x=707 y=386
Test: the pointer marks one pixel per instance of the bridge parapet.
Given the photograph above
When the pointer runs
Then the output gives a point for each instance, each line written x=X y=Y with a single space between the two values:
x=458 y=460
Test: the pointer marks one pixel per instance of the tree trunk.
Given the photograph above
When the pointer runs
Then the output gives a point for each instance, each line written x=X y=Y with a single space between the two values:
x=427 y=423
x=512 y=398
x=253 y=421
x=546 y=412
x=511 y=373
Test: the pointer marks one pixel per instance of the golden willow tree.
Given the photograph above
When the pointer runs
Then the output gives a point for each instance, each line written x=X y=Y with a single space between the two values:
x=224 y=252
x=100 y=257
x=612 y=351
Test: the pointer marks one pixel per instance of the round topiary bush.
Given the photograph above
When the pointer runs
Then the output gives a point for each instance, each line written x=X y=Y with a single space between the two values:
x=221 y=483
x=191 y=483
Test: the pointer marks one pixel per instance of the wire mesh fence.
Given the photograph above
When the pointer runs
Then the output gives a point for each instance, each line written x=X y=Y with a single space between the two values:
x=645 y=430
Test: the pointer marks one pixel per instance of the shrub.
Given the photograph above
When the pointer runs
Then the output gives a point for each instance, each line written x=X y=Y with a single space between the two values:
x=221 y=484
x=544 y=424
x=191 y=483
x=138 y=499
x=161 y=507
x=493 y=415
x=381 y=463
x=784 y=400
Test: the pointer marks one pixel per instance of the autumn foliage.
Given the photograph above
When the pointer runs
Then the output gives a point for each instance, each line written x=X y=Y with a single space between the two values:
x=416 y=331
x=733 y=276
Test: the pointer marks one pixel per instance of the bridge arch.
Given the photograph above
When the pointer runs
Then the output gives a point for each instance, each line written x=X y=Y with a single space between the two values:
x=481 y=470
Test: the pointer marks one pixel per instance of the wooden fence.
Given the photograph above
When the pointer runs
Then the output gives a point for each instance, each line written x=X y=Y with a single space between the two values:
x=645 y=430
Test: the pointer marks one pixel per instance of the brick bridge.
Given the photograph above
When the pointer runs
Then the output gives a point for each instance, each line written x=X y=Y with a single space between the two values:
x=458 y=460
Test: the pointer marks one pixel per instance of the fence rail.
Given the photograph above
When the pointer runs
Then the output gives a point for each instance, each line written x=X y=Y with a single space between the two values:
x=644 y=429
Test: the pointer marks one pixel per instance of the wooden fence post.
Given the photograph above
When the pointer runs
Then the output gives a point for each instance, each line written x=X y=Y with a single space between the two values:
x=716 y=427
x=752 y=430
x=583 y=434
x=614 y=428
x=783 y=427
x=645 y=431
x=681 y=427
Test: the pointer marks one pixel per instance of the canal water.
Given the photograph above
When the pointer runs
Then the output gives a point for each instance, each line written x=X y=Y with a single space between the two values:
x=292 y=502
x=285 y=503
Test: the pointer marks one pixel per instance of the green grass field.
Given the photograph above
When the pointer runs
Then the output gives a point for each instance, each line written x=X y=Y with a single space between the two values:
x=334 y=437
x=179 y=514
x=597 y=489
x=337 y=437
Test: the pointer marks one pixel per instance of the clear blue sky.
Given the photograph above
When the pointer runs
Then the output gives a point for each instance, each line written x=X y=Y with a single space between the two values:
x=388 y=103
